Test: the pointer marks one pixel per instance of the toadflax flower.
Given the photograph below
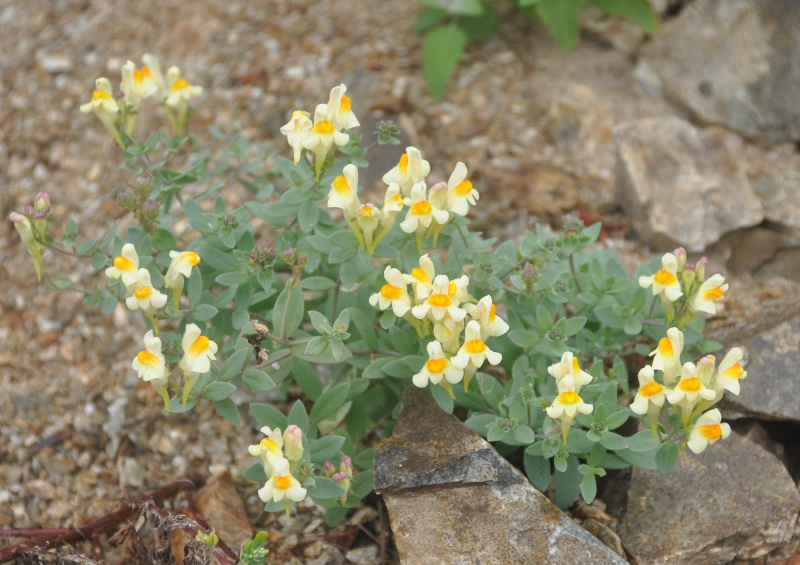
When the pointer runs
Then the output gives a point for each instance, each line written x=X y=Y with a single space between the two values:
x=566 y=406
x=180 y=267
x=665 y=280
x=145 y=297
x=339 y=111
x=668 y=355
x=421 y=213
x=689 y=392
x=460 y=193
x=568 y=373
x=269 y=449
x=436 y=368
x=23 y=226
x=198 y=351
x=474 y=351
x=296 y=132
x=152 y=69
x=368 y=220
x=105 y=107
x=421 y=278
x=152 y=367
x=282 y=486
x=730 y=372
x=126 y=267
x=440 y=303
x=179 y=93
x=136 y=85
x=344 y=193
x=393 y=294
x=486 y=313
x=322 y=137
x=293 y=444
x=412 y=169
x=709 y=292
x=707 y=430
x=650 y=397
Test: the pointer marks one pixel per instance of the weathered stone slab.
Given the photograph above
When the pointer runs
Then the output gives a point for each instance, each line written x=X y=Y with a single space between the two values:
x=733 y=501
x=678 y=188
x=732 y=62
x=781 y=197
x=453 y=499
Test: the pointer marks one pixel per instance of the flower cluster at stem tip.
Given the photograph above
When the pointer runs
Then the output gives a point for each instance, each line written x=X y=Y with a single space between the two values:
x=32 y=226
x=444 y=308
x=117 y=110
x=692 y=389
x=198 y=350
x=280 y=455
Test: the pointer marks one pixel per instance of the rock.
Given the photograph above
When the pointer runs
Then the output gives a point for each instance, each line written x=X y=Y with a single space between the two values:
x=222 y=507
x=780 y=195
x=681 y=187
x=735 y=500
x=770 y=390
x=619 y=32
x=451 y=496
x=54 y=62
x=745 y=250
x=734 y=63
x=785 y=263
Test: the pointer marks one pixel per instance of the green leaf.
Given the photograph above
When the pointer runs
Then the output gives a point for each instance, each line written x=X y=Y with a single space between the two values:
x=317 y=283
x=456 y=7
x=196 y=217
x=307 y=216
x=615 y=420
x=268 y=415
x=306 y=378
x=218 y=390
x=204 y=312
x=365 y=458
x=228 y=410
x=329 y=402
x=667 y=457
x=234 y=364
x=567 y=484
x=571 y=326
x=632 y=326
x=325 y=488
x=217 y=259
x=480 y=28
x=109 y=237
x=362 y=483
x=612 y=441
x=375 y=369
x=234 y=278
x=255 y=472
x=643 y=441
x=342 y=255
x=344 y=239
x=257 y=380
x=108 y=305
x=288 y=312
x=299 y=417
x=588 y=487
x=640 y=11
x=443 y=398
x=61 y=282
x=316 y=346
x=99 y=261
x=85 y=247
x=365 y=325
x=428 y=17
x=537 y=468
x=325 y=448
x=563 y=19
x=524 y=338
x=442 y=49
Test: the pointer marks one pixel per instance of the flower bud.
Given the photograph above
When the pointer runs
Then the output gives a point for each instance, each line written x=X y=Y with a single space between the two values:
x=289 y=255
x=701 y=269
x=42 y=202
x=328 y=466
x=126 y=197
x=529 y=274
x=302 y=259
x=145 y=184
x=680 y=255
x=150 y=209
x=293 y=443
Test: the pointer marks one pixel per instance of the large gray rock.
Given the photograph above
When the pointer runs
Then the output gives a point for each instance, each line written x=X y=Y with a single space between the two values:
x=732 y=62
x=780 y=195
x=680 y=187
x=733 y=501
x=453 y=499
x=770 y=390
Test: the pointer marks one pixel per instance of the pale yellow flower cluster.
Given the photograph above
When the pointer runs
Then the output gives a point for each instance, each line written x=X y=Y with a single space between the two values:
x=280 y=454
x=446 y=308
x=691 y=388
x=569 y=380
x=428 y=210
x=173 y=93
x=684 y=285
x=150 y=363
x=320 y=135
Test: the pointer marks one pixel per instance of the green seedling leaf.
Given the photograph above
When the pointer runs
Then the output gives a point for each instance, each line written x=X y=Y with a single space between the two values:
x=442 y=49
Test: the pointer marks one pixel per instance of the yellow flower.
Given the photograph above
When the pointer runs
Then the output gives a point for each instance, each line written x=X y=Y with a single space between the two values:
x=297 y=131
x=339 y=111
x=412 y=169
x=474 y=351
x=689 y=391
x=368 y=220
x=730 y=372
x=486 y=313
x=126 y=267
x=566 y=407
x=105 y=107
x=436 y=368
x=707 y=430
x=568 y=372
x=180 y=267
x=665 y=280
x=460 y=193
x=152 y=367
x=344 y=193
x=269 y=449
x=282 y=486
x=441 y=302
x=322 y=137
x=421 y=278
x=668 y=355
x=393 y=294
x=137 y=84
x=709 y=292
x=293 y=443
x=152 y=69
x=198 y=351
x=25 y=229
x=179 y=93
x=145 y=297
x=421 y=212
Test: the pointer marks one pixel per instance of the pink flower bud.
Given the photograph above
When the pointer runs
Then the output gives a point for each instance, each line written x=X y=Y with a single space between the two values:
x=293 y=443
x=347 y=462
x=328 y=465
x=17 y=217
x=339 y=476
x=41 y=202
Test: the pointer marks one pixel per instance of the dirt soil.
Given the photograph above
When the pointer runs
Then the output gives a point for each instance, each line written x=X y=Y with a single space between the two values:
x=78 y=431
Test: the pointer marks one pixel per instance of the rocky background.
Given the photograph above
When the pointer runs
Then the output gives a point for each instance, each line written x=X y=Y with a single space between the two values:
x=688 y=138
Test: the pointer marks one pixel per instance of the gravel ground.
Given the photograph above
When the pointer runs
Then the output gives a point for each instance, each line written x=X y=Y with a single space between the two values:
x=78 y=431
